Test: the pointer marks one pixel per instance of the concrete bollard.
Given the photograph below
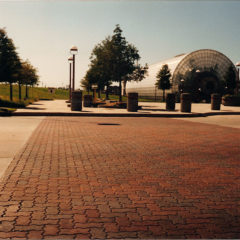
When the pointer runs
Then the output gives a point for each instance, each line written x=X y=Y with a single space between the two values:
x=186 y=102
x=76 y=103
x=215 y=101
x=170 y=102
x=87 y=100
x=132 y=102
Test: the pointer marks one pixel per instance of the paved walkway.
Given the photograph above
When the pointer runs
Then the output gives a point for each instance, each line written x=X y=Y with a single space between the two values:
x=123 y=178
x=148 y=109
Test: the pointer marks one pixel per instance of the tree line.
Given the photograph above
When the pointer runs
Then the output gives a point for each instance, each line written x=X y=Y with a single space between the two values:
x=13 y=69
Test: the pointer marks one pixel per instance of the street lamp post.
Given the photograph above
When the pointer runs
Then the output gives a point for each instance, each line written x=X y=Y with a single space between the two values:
x=70 y=59
x=73 y=51
x=94 y=87
x=238 y=82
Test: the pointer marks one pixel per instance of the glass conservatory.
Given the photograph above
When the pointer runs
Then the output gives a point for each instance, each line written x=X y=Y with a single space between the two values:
x=201 y=73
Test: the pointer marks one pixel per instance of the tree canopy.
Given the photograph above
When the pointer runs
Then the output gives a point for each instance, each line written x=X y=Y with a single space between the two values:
x=9 y=60
x=163 y=79
x=28 y=74
x=12 y=68
x=114 y=60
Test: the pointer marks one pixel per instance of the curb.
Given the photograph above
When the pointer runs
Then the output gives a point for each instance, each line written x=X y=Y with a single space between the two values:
x=5 y=114
x=84 y=114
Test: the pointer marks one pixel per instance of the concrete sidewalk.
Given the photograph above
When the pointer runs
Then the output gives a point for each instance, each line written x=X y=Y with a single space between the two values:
x=14 y=133
x=151 y=109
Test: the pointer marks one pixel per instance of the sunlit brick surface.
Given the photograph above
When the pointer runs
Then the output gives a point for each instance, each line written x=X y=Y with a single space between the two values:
x=144 y=178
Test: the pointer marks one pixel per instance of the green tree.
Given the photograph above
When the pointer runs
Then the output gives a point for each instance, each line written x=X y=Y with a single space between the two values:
x=125 y=57
x=100 y=71
x=20 y=79
x=114 y=60
x=163 y=79
x=27 y=76
x=9 y=61
x=230 y=80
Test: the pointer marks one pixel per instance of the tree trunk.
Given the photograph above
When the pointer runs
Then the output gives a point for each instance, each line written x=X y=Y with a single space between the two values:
x=19 y=92
x=99 y=93
x=26 y=96
x=155 y=94
x=120 y=91
x=11 y=92
x=107 y=92
x=124 y=88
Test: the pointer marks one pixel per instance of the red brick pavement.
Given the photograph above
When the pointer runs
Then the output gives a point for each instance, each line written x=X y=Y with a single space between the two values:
x=144 y=178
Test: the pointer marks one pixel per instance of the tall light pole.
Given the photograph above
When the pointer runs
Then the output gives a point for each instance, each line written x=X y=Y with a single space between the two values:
x=73 y=51
x=70 y=59
x=238 y=82
x=182 y=85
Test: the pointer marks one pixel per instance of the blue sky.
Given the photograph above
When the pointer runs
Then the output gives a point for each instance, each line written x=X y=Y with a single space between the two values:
x=43 y=31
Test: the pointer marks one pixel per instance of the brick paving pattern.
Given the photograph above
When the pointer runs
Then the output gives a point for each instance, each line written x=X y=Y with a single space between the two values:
x=143 y=178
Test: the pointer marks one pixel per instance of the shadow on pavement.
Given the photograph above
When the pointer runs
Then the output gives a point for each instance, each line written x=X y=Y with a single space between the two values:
x=35 y=108
x=36 y=104
x=158 y=109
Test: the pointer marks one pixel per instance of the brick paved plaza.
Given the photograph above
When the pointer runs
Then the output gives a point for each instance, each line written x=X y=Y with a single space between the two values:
x=143 y=178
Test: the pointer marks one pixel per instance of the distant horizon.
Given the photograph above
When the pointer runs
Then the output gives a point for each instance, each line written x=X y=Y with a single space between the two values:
x=44 y=31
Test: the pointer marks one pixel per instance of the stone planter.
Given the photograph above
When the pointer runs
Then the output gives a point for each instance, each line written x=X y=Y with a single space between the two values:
x=170 y=102
x=215 y=101
x=76 y=104
x=132 y=102
x=186 y=102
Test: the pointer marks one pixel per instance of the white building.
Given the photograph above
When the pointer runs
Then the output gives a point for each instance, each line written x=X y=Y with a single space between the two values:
x=202 y=71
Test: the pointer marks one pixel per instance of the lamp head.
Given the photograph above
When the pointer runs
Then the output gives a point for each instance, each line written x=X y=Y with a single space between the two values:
x=94 y=86
x=73 y=50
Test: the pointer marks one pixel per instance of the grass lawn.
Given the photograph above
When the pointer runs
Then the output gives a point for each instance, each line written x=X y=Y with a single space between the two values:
x=34 y=93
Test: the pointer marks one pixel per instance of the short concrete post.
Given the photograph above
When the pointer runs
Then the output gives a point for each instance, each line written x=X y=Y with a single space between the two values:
x=215 y=101
x=132 y=102
x=76 y=104
x=87 y=100
x=186 y=102
x=170 y=102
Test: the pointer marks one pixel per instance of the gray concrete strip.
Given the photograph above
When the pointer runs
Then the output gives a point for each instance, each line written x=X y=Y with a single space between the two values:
x=4 y=162
x=15 y=131
x=224 y=121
